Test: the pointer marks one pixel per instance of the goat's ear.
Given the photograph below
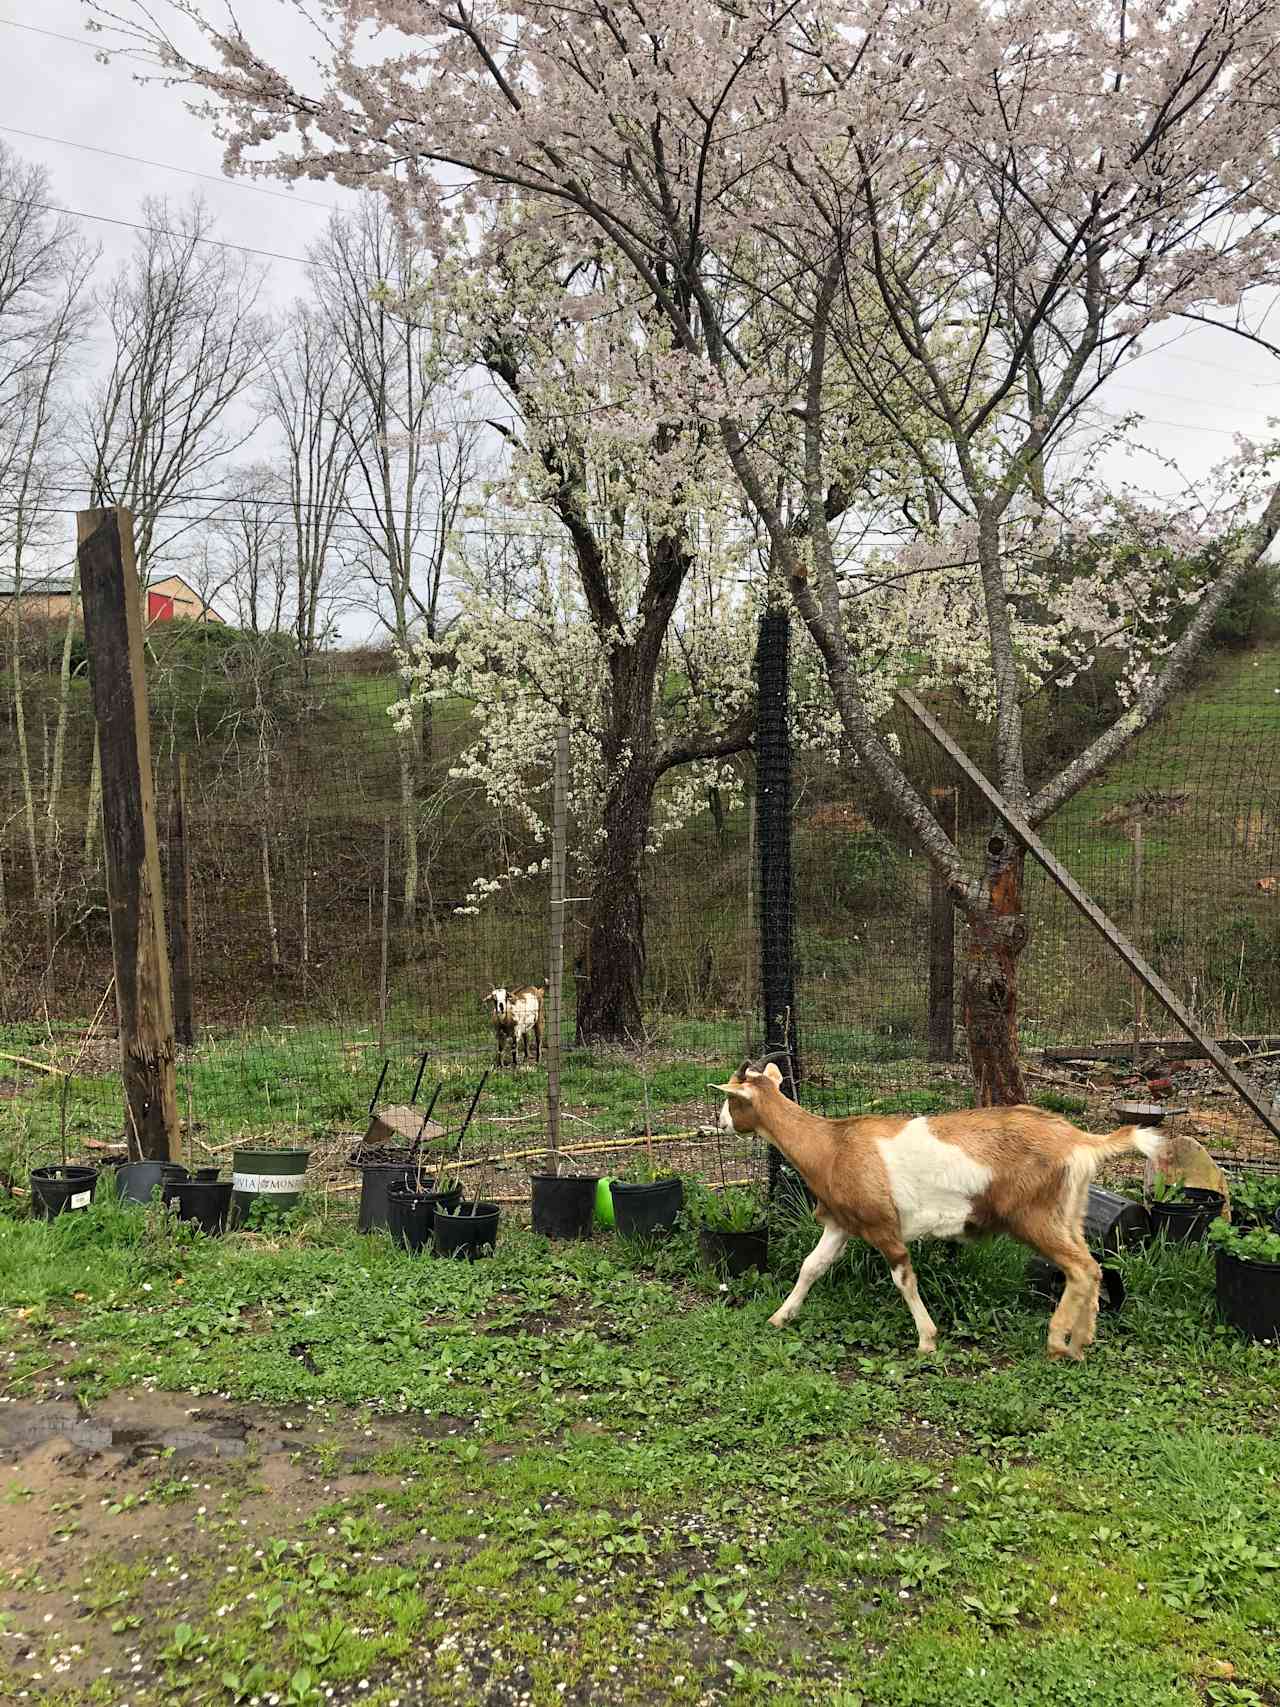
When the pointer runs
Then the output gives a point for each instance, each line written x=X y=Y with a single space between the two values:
x=731 y=1090
x=771 y=1072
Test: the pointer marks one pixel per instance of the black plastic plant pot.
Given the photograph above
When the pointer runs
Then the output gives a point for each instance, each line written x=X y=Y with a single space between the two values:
x=58 y=1190
x=470 y=1233
x=1112 y=1221
x=1186 y=1219
x=411 y=1214
x=137 y=1181
x=1248 y=1295
x=646 y=1211
x=1046 y=1281
x=731 y=1254
x=564 y=1205
x=206 y=1202
x=206 y=1173
x=376 y=1179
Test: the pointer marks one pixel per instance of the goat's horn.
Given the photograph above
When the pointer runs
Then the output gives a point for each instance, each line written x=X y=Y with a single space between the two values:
x=778 y=1055
x=744 y=1069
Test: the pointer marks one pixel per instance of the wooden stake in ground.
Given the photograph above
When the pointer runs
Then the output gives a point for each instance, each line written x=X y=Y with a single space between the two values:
x=555 y=971
x=135 y=894
x=180 y=931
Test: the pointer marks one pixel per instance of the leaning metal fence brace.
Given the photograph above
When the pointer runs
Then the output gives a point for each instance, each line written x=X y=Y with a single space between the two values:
x=1240 y=1082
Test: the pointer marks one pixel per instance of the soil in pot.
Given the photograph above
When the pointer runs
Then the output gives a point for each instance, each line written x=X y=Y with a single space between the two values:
x=1183 y=1220
x=734 y=1253
x=58 y=1190
x=376 y=1180
x=411 y=1214
x=647 y=1211
x=564 y=1205
x=1248 y=1295
x=470 y=1233
x=206 y=1202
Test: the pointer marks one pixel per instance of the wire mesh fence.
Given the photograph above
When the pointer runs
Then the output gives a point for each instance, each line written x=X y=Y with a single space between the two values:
x=330 y=871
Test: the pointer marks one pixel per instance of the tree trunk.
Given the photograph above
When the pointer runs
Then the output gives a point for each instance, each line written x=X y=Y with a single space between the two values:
x=54 y=800
x=610 y=1009
x=996 y=939
x=427 y=745
x=24 y=756
x=93 y=811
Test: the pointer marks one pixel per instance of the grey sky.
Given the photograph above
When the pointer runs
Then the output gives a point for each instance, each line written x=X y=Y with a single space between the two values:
x=1196 y=386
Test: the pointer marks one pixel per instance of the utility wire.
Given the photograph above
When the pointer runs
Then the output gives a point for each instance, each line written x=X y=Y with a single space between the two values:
x=157 y=230
x=164 y=166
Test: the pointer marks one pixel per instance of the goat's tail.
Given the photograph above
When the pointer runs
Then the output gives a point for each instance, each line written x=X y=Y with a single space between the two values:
x=1145 y=1139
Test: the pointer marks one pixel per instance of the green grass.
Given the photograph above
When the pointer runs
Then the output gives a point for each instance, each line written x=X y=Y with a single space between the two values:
x=588 y=1473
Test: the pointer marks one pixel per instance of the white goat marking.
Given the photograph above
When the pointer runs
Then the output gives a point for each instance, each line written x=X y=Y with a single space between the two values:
x=499 y=1000
x=933 y=1184
x=904 y=1278
x=826 y=1252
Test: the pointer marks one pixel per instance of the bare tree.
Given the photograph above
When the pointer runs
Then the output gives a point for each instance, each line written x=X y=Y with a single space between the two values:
x=44 y=311
x=187 y=338
x=310 y=392
x=249 y=560
x=411 y=461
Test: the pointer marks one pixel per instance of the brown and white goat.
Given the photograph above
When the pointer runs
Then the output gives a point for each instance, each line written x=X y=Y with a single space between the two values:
x=517 y=1017
x=893 y=1178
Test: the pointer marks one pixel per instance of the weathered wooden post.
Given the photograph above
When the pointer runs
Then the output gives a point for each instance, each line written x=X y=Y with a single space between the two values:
x=112 y=607
x=180 y=931
x=942 y=939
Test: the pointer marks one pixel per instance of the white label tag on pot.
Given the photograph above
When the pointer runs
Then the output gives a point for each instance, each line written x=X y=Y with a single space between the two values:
x=80 y=1200
x=267 y=1185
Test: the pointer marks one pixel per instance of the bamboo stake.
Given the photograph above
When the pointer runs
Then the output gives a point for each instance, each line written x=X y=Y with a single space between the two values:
x=386 y=923
x=592 y=1148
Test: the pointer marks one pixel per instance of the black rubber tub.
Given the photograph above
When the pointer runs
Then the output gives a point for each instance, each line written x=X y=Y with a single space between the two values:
x=411 y=1214
x=1186 y=1219
x=1111 y=1222
x=207 y=1202
x=734 y=1253
x=376 y=1180
x=646 y=1211
x=564 y=1205
x=58 y=1190
x=136 y=1181
x=1248 y=1295
x=1046 y=1281
x=470 y=1233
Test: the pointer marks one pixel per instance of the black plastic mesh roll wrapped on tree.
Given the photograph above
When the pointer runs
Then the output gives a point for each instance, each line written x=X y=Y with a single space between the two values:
x=773 y=839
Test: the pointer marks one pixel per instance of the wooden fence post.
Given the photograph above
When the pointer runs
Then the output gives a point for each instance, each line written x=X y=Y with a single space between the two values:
x=180 y=908
x=112 y=607
x=942 y=939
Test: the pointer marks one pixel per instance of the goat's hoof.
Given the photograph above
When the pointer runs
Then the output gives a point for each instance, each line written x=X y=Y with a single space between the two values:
x=778 y=1320
x=926 y=1350
x=1071 y=1353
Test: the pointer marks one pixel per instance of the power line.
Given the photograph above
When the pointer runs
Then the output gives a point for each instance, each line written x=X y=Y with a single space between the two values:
x=164 y=166
x=76 y=41
x=156 y=230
